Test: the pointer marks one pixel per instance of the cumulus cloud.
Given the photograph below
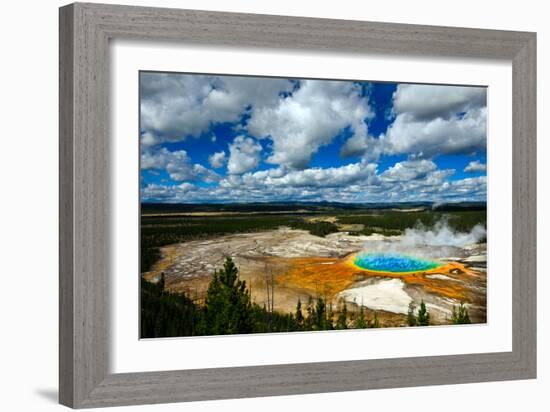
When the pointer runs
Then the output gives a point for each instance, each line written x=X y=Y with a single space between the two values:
x=148 y=139
x=175 y=106
x=356 y=184
x=171 y=194
x=465 y=134
x=329 y=177
x=244 y=155
x=408 y=170
x=410 y=180
x=427 y=102
x=177 y=164
x=356 y=145
x=475 y=166
x=471 y=186
x=217 y=159
x=435 y=120
x=356 y=173
x=299 y=124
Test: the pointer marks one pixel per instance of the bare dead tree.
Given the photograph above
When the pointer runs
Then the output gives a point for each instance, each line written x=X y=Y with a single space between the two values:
x=272 y=289
x=267 y=288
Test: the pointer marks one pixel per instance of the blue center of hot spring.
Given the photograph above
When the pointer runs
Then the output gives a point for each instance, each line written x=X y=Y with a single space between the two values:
x=393 y=262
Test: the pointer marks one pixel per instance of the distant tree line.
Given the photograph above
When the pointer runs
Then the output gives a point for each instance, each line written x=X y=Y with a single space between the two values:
x=321 y=228
x=395 y=222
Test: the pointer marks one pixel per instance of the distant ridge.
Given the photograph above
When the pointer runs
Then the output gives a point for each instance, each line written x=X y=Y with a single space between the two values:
x=309 y=206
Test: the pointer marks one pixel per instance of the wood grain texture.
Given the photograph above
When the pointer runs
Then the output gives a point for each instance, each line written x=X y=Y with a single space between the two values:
x=66 y=268
x=524 y=225
x=83 y=345
x=85 y=31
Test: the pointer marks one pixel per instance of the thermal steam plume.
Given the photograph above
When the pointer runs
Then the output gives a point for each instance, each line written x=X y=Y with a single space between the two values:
x=438 y=241
x=442 y=235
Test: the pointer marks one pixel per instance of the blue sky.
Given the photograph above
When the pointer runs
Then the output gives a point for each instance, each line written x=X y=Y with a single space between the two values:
x=221 y=139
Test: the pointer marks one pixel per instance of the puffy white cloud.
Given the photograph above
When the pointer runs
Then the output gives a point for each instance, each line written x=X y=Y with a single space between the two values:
x=361 y=185
x=355 y=173
x=217 y=159
x=174 y=106
x=244 y=155
x=311 y=117
x=148 y=139
x=328 y=177
x=464 y=134
x=468 y=187
x=355 y=145
x=427 y=102
x=475 y=166
x=159 y=159
x=431 y=120
x=410 y=180
x=408 y=170
x=177 y=164
x=172 y=193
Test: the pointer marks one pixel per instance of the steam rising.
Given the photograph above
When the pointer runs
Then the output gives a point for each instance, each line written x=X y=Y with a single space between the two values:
x=439 y=241
x=442 y=235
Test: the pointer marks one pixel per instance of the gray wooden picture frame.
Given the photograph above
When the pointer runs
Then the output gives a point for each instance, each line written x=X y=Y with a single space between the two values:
x=85 y=31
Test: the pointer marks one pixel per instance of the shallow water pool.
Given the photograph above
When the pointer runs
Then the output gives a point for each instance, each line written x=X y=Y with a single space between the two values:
x=393 y=262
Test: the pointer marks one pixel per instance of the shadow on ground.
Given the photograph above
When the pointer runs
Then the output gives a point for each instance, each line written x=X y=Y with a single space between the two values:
x=51 y=395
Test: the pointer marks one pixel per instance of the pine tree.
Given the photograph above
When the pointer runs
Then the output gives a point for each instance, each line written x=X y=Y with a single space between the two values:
x=361 y=322
x=310 y=320
x=320 y=314
x=423 y=318
x=329 y=317
x=161 y=284
x=342 y=320
x=411 y=319
x=228 y=306
x=460 y=315
x=299 y=315
x=465 y=316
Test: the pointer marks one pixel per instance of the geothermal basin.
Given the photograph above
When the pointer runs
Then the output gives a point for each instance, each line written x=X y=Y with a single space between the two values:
x=380 y=273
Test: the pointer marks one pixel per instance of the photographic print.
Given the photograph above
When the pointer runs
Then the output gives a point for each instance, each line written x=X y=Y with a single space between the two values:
x=301 y=205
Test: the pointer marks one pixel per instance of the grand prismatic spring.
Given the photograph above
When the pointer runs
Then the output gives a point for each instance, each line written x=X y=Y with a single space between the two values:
x=393 y=262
